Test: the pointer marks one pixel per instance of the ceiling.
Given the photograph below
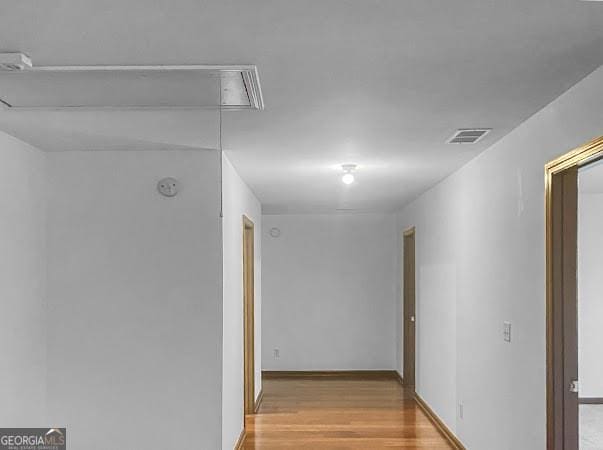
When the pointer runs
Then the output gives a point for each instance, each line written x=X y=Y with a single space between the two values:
x=379 y=83
x=157 y=88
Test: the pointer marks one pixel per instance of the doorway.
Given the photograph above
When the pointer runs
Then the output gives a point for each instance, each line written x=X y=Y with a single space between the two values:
x=563 y=381
x=248 y=317
x=409 y=307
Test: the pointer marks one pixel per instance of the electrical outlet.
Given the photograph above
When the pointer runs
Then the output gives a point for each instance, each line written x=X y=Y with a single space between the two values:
x=461 y=410
x=277 y=353
x=507 y=331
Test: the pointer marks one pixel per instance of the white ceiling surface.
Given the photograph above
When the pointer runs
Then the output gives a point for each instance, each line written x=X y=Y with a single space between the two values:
x=379 y=83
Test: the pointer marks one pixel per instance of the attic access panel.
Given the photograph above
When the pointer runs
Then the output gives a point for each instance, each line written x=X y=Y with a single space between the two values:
x=206 y=87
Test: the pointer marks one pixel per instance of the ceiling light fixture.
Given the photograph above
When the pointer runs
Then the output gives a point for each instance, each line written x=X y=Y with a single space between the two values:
x=348 y=176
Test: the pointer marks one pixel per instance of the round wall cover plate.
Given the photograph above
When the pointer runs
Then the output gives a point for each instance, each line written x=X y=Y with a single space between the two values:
x=275 y=232
x=168 y=187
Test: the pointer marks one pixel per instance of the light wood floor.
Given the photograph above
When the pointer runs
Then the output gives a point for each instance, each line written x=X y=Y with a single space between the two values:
x=323 y=413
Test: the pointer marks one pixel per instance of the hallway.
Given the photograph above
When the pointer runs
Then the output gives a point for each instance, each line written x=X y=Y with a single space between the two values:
x=235 y=225
x=339 y=413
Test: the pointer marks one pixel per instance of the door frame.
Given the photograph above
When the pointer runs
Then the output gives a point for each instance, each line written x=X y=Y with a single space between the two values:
x=248 y=317
x=409 y=307
x=561 y=220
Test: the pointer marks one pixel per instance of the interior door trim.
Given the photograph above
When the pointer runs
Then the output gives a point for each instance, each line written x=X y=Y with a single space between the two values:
x=248 y=318
x=409 y=307
x=561 y=189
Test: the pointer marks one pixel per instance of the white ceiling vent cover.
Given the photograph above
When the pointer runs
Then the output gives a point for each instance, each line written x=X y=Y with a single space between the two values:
x=468 y=135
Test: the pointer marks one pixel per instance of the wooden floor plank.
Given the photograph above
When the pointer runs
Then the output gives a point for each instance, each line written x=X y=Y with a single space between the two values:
x=332 y=413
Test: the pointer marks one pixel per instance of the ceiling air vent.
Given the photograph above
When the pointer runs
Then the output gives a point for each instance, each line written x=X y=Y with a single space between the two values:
x=468 y=135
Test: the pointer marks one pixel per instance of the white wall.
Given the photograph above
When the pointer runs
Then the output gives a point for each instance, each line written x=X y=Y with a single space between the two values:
x=22 y=284
x=590 y=293
x=134 y=299
x=329 y=292
x=238 y=200
x=480 y=262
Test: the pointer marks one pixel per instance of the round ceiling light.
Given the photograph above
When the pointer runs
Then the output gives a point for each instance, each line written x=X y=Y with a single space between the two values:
x=348 y=176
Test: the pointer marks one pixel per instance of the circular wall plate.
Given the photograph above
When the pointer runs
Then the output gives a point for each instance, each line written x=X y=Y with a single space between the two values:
x=168 y=187
x=275 y=232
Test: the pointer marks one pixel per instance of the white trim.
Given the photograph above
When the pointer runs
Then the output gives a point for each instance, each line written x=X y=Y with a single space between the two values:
x=157 y=67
